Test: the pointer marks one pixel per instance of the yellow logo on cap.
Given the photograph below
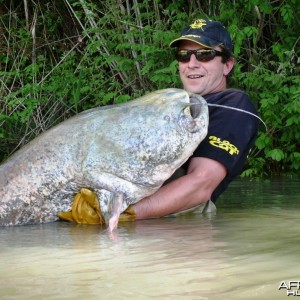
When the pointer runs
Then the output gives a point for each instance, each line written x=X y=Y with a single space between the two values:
x=198 y=24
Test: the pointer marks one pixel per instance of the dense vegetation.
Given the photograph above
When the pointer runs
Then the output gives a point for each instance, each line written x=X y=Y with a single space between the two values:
x=60 y=57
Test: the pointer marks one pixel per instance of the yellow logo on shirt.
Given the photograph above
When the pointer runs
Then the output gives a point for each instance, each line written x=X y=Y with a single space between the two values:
x=225 y=145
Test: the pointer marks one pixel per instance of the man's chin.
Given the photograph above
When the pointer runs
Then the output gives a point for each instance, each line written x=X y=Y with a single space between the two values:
x=194 y=90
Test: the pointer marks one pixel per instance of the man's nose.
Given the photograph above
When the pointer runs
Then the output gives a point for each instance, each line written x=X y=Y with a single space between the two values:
x=193 y=61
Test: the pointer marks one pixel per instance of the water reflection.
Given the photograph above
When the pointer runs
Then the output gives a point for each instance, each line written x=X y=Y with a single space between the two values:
x=242 y=252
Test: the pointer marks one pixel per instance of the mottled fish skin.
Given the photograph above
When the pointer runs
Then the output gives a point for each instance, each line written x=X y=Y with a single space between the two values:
x=123 y=152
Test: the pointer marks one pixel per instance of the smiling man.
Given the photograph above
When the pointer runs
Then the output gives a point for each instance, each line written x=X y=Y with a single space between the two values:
x=204 y=53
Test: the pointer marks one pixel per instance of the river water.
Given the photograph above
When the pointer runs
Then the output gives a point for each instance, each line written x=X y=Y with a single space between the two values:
x=246 y=250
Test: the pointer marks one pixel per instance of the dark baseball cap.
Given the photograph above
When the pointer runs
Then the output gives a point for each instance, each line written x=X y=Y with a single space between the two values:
x=206 y=33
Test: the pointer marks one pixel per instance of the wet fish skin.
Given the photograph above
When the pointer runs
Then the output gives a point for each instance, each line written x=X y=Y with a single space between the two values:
x=123 y=152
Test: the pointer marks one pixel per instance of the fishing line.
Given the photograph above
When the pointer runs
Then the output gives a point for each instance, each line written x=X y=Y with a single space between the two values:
x=234 y=108
x=240 y=110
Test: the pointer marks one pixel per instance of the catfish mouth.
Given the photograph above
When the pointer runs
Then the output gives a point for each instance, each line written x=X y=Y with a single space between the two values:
x=196 y=106
x=193 y=115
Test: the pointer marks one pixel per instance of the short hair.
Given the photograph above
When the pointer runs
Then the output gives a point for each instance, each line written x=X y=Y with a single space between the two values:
x=228 y=55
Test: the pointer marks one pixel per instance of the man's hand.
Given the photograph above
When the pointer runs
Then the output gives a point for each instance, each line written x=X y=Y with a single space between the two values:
x=127 y=215
x=85 y=209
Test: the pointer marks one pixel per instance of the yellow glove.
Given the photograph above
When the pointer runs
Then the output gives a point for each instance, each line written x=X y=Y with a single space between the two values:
x=85 y=209
x=127 y=215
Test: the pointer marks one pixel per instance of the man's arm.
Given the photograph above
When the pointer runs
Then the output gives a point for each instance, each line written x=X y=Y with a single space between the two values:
x=202 y=178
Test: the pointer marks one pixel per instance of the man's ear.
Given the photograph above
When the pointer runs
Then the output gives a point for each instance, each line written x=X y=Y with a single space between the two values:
x=228 y=66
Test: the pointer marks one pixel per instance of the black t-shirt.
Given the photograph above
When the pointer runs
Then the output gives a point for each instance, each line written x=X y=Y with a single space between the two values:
x=231 y=133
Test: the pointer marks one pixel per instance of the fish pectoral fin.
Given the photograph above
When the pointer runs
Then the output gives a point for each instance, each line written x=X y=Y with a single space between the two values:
x=85 y=209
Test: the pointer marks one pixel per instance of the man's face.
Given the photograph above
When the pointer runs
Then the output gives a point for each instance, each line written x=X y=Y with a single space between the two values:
x=203 y=77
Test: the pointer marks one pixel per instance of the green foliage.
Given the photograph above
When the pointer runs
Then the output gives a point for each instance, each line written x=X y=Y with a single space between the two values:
x=58 y=58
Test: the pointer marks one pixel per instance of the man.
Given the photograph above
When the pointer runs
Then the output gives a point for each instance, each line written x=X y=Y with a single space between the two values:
x=205 y=57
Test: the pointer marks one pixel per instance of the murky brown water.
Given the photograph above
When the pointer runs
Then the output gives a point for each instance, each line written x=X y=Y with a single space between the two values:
x=244 y=251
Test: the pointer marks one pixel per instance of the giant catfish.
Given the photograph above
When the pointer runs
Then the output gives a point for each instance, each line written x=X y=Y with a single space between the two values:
x=122 y=152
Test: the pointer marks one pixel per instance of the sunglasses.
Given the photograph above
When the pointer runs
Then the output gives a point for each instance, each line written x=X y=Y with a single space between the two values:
x=201 y=55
